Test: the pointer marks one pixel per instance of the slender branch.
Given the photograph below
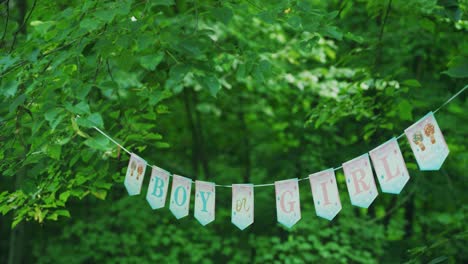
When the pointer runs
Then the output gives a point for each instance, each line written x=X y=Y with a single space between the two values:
x=7 y=18
x=381 y=33
x=109 y=70
x=22 y=26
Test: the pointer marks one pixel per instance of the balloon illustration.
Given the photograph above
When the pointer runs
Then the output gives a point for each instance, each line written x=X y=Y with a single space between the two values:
x=429 y=131
x=140 y=171
x=418 y=140
x=132 y=167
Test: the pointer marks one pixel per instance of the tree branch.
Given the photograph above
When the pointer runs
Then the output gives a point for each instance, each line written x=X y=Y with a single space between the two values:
x=22 y=26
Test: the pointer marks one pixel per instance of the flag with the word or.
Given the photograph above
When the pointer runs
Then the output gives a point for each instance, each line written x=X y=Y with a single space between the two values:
x=157 y=188
x=428 y=143
x=180 y=196
x=390 y=167
x=135 y=174
x=204 y=202
x=288 y=206
x=360 y=181
x=242 y=214
x=325 y=193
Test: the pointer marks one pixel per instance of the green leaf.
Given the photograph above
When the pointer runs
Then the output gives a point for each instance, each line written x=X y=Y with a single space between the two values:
x=223 y=14
x=211 y=83
x=458 y=68
x=9 y=88
x=92 y=120
x=150 y=62
x=17 y=102
x=163 y=2
x=105 y=15
x=412 y=83
x=100 y=194
x=65 y=213
x=54 y=151
x=405 y=110
x=89 y=24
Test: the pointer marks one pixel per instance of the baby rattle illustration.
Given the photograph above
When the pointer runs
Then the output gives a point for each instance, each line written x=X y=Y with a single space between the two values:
x=139 y=171
x=429 y=132
x=418 y=140
x=132 y=167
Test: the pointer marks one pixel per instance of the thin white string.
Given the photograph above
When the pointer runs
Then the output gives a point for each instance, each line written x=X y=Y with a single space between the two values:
x=267 y=184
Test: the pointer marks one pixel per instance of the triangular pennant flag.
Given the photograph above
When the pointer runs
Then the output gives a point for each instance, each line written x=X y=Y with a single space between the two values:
x=242 y=214
x=157 y=188
x=428 y=143
x=288 y=206
x=390 y=167
x=180 y=196
x=360 y=181
x=205 y=202
x=135 y=174
x=325 y=193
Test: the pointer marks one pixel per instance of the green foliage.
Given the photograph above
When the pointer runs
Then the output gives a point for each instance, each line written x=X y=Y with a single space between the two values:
x=231 y=92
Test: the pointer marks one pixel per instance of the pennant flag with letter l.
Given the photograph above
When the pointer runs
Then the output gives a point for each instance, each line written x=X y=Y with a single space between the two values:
x=288 y=207
x=360 y=181
x=157 y=188
x=135 y=173
x=204 y=202
x=180 y=196
x=390 y=167
x=428 y=143
x=242 y=214
x=325 y=193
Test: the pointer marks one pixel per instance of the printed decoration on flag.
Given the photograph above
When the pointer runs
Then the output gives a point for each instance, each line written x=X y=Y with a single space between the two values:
x=180 y=196
x=242 y=214
x=428 y=143
x=325 y=194
x=135 y=173
x=288 y=207
x=157 y=188
x=205 y=202
x=390 y=167
x=360 y=181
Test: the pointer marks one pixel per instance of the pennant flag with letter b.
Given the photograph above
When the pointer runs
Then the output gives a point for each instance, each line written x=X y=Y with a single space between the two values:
x=325 y=194
x=204 y=202
x=288 y=207
x=360 y=181
x=242 y=214
x=428 y=143
x=390 y=167
x=135 y=173
x=180 y=196
x=157 y=188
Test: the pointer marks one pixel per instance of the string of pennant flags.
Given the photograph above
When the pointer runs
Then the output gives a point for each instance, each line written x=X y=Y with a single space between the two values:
x=425 y=138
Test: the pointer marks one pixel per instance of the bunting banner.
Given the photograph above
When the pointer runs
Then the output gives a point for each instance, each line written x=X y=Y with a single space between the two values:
x=428 y=143
x=425 y=137
x=390 y=167
x=325 y=194
x=135 y=174
x=360 y=181
x=157 y=188
x=242 y=214
x=180 y=196
x=204 y=202
x=288 y=208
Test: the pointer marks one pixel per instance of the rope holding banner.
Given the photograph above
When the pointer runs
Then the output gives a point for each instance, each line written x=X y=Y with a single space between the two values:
x=269 y=184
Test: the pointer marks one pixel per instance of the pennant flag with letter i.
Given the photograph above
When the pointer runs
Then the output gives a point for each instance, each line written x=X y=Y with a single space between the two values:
x=325 y=194
x=157 y=188
x=242 y=214
x=360 y=181
x=204 y=202
x=390 y=167
x=135 y=173
x=288 y=207
x=180 y=196
x=428 y=143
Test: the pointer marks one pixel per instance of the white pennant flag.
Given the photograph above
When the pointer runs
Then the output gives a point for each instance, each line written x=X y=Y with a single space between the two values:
x=180 y=196
x=390 y=167
x=204 y=202
x=325 y=193
x=288 y=207
x=242 y=214
x=135 y=174
x=157 y=188
x=428 y=143
x=360 y=181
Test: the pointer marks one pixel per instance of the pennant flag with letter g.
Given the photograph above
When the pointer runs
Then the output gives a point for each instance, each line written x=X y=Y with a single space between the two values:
x=288 y=207
x=135 y=173
x=428 y=143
